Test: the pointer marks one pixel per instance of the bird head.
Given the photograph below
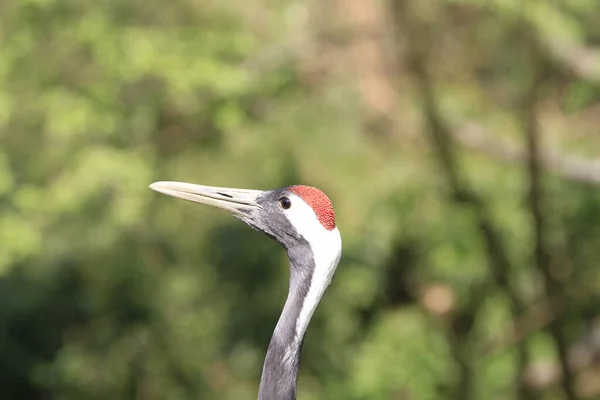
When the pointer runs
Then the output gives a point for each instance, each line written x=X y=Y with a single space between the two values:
x=293 y=215
x=302 y=219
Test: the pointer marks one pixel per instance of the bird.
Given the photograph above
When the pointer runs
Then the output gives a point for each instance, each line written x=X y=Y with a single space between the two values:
x=300 y=218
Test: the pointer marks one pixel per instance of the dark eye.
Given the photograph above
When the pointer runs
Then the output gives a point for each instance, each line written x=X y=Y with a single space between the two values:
x=285 y=203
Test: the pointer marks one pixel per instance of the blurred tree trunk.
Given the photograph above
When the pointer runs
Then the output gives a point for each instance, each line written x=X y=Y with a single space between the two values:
x=366 y=24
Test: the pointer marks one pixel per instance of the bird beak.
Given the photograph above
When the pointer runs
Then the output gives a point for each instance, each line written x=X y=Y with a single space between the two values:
x=236 y=201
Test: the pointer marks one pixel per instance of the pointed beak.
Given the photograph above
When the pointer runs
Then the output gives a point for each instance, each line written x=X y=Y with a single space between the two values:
x=236 y=201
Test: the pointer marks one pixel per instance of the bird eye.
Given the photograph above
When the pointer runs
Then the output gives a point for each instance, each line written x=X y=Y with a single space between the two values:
x=285 y=203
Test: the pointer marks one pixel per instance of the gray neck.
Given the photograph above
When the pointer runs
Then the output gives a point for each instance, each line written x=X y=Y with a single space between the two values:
x=280 y=371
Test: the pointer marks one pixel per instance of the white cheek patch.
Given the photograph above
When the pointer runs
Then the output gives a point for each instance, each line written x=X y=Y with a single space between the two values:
x=326 y=246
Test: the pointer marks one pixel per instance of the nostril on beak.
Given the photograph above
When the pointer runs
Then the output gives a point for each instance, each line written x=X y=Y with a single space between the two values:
x=225 y=195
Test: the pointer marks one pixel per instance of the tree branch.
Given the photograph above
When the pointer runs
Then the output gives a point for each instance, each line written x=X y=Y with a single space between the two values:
x=474 y=136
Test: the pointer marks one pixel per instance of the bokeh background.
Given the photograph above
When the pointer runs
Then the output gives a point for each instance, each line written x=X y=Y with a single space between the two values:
x=457 y=139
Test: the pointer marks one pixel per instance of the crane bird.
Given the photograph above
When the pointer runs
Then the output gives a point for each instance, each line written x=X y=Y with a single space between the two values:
x=302 y=220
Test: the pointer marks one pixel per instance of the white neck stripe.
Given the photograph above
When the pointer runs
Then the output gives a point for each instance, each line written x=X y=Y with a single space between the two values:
x=326 y=246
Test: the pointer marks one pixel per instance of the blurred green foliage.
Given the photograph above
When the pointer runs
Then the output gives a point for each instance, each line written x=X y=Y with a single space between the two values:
x=110 y=291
